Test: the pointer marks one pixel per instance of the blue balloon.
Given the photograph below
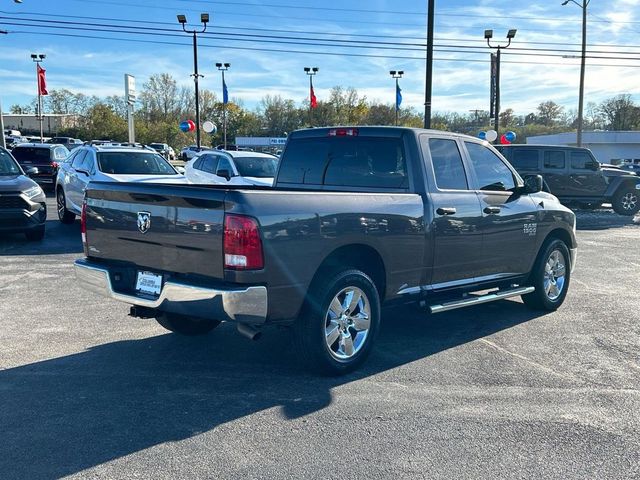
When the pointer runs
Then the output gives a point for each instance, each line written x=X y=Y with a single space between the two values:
x=511 y=136
x=184 y=126
x=482 y=135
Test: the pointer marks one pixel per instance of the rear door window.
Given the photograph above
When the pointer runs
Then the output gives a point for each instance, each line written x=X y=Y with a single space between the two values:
x=370 y=162
x=581 y=161
x=554 y=160
x=447 y=163
x=525 y=159
x=491 y=172
x=224 y=164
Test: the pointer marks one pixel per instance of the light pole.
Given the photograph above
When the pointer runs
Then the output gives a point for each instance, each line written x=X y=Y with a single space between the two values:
x=311 y=71
x=37 y=58
x=2 y=142
x=429 y=64
x=396 y=74
x=182 y=20
x=223 y=67
x=488 y=34
x=583 y=6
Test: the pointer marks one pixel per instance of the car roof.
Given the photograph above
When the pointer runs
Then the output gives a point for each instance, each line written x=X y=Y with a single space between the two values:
x=48 y=146
x=244 y=153
x=536 y=145
x=119 y=148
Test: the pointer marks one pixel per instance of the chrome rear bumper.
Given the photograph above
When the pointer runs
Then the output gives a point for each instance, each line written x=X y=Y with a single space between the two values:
x=245 y=305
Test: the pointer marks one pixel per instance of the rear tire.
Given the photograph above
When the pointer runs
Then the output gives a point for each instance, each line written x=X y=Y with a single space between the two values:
x=35 y=235
x=550 y=276
x=64 y=215
x=185 y=325
x=338 y=326
x=626 y=201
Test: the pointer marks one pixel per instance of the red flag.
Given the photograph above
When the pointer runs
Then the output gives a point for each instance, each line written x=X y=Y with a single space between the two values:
x=42 y=81
x=314 y=101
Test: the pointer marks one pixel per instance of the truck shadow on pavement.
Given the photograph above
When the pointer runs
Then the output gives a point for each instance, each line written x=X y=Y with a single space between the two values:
x=603 y=220
x=58 y=239
x=68 y=414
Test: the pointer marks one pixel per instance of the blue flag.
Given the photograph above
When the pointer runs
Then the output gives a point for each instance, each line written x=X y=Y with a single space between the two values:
x=225 y=93
x=398 y=97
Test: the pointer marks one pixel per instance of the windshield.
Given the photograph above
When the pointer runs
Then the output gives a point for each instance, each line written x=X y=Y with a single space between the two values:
x=32 y=154
x=134 y=163
x=256 y=166
x=7 y=165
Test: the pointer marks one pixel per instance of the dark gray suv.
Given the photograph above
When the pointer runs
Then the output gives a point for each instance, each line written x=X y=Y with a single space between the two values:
x=23 y=207
x=575 y=176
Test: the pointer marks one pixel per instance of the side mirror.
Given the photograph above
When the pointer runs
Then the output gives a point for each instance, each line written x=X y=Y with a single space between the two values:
x=533 y=183
x=32 y=171
x=595 y=166
x=180 y=170
x=224 y=173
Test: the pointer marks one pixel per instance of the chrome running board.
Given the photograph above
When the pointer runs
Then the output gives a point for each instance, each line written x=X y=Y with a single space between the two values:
x=489 y=297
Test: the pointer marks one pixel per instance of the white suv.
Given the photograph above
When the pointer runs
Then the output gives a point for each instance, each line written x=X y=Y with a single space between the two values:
x=107 y=164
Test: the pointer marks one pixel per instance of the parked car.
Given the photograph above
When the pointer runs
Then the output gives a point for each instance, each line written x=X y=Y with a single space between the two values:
x=358 y=217
x=232 y=168
x=187 y=153
x=46 y=157
x=68 y=142
x=575 y=176
x=165 y=150
x=107 y=164
x=23 y=207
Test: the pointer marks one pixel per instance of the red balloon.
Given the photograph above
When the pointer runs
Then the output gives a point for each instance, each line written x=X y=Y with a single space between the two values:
x=504 y=140
x=192 y=125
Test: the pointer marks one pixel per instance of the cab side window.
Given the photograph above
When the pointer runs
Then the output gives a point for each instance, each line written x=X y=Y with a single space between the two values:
x=447 y=163
x=525 y=159
x=582 y=161
x=554 y=160
x=492 y=173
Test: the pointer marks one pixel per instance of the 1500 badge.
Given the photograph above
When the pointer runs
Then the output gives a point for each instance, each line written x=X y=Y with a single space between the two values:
x=530 y=228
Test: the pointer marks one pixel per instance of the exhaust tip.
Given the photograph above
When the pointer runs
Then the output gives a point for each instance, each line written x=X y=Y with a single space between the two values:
x=249 y=331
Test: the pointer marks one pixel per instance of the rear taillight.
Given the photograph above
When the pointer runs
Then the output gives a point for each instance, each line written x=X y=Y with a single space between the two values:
x=343 y=132
x=83 y=227
x=242 y=244
x=54 y=164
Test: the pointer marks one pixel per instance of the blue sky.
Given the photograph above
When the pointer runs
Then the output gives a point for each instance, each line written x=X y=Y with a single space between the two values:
x=461 y=73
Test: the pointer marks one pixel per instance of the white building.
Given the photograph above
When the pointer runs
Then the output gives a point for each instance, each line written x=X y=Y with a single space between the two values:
x=28 y=123
x=608 y=147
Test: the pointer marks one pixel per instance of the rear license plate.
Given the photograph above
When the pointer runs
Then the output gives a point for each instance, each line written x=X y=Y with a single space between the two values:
x=149 y=283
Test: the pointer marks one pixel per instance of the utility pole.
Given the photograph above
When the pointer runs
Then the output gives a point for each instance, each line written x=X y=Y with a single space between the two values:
x=223 y=67
x=38 y=58
x=182 y=20
x=583 y=6
x=429 y=65
x=488 y=34
x=2 y=142
x=130 y=97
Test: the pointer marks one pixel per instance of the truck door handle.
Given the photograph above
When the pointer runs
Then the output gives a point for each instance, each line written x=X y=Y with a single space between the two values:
x=491 y=210
x=446 y=210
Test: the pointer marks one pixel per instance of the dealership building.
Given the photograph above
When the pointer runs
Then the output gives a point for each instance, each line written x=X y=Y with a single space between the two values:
x=615 y=148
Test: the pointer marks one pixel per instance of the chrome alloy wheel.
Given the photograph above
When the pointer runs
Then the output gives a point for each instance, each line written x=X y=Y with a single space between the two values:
x=347 y=323
x=629 y=201
x=61 y=204
x=554 y=275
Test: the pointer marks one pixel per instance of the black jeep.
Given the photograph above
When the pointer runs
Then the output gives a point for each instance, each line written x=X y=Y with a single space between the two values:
x=574 y=176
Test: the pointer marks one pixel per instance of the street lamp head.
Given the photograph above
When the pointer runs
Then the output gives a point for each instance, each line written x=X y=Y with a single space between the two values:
x=42 y=57
x=401 y=72
x=488 y=34
x=392 y=72
x=218 y=64
x=565 y=2
x=315 y=69
x=204 y=18
x=227 y=65
x=307 y=69
x=511 y=33
x=34 y=56
x=182 y=19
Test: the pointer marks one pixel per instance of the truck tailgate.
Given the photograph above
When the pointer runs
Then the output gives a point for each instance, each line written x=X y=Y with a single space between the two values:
x=171 y=228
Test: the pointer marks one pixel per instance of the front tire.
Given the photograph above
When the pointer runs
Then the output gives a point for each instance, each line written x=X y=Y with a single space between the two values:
x=338 y=325
x=185 y=325
x=550 y=277
x=64 y=215
x=626 y=201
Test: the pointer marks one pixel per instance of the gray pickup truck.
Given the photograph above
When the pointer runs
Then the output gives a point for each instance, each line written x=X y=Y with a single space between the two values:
x=358 y=217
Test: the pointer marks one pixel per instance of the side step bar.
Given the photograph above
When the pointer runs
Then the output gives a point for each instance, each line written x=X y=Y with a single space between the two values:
x=489 y=297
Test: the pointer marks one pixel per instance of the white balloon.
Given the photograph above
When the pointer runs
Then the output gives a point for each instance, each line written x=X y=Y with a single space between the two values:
x=491 y=135
x=209 y=127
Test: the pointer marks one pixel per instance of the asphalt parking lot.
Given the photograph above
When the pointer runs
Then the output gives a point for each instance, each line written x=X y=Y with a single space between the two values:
x=495 y=391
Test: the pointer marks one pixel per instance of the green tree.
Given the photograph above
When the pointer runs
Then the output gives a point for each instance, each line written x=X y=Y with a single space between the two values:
x=549 y=112
x=620 y=113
